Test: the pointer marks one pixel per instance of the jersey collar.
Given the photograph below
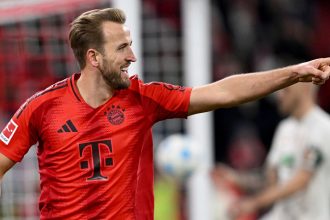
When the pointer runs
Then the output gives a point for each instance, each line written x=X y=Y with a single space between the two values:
x=72 y=82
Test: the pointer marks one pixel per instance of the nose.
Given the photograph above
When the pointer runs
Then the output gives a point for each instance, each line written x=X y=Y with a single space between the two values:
x=131 y=56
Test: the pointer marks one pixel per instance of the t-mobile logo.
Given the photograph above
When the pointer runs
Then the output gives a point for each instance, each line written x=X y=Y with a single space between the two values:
x=96 y=157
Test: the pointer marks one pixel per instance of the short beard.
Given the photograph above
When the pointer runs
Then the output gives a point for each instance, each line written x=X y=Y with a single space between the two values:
x=114 y=79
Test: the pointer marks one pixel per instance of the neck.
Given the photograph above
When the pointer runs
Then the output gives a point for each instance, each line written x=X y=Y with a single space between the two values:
x=303 y=109
x=93 y=89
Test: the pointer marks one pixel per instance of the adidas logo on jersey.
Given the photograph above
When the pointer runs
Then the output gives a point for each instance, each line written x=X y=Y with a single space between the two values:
x=67 y=127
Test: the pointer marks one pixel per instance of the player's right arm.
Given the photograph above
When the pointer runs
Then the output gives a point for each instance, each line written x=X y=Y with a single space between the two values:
x=237 y=89
x=5 y=165
x=16 y=138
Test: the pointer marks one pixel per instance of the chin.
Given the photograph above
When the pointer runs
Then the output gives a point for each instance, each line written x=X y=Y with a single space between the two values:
x=284 y=112
x=125 y=84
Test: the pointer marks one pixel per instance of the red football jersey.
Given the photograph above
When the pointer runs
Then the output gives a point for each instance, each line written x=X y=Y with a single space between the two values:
x=94 y=163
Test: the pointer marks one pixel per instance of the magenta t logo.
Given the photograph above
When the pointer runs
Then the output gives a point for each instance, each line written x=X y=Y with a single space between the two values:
x=96 y=158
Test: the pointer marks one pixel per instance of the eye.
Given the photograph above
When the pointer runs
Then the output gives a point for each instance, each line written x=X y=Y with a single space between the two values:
x=122 y=46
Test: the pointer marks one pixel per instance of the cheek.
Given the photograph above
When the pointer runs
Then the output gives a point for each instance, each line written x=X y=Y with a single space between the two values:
x=114 y=64
x=120 y=57
x=109 y=64
x=111 y=59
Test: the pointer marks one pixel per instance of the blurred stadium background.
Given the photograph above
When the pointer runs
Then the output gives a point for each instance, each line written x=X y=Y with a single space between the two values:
x=245 y=35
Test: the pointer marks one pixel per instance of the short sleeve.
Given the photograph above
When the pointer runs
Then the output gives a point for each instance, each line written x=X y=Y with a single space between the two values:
x=274 y=153
x=163 y=101
x=313 y=155
x=17 y=136
x=312 y=159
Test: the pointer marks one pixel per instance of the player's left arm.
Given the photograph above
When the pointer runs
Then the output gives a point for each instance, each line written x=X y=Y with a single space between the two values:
x=298 y=182
x=242 y=88
x=278 y=192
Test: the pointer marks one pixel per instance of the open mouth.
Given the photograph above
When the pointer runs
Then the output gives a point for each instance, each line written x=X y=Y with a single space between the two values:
x=124 y=70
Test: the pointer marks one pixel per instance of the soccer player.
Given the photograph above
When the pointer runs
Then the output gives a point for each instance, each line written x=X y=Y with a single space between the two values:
x=93 y=129
x=298 y=163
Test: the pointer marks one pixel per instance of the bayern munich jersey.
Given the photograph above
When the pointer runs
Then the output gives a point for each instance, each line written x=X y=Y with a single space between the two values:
x=94 y=163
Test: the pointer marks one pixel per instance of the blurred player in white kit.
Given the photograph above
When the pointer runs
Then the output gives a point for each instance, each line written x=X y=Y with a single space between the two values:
x=298 y=167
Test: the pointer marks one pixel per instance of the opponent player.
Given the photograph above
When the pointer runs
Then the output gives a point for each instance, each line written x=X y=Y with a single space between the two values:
x=94 y=129
x=299 y=162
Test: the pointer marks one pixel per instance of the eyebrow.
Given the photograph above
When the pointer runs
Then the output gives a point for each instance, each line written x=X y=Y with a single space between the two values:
x=124 y=45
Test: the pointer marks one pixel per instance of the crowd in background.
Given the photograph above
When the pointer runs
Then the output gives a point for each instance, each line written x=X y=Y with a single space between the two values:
x=257 y=35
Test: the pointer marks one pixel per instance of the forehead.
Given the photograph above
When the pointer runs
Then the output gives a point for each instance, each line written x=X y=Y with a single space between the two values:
x=114 y=31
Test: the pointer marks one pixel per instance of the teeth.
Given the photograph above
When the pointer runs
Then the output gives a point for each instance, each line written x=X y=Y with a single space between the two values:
x=124 y=70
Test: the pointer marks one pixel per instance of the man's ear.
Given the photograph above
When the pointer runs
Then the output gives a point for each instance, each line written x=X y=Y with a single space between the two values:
x=93 y=57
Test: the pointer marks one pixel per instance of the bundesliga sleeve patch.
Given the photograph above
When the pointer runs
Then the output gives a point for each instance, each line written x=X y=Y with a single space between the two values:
x=8 y=132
